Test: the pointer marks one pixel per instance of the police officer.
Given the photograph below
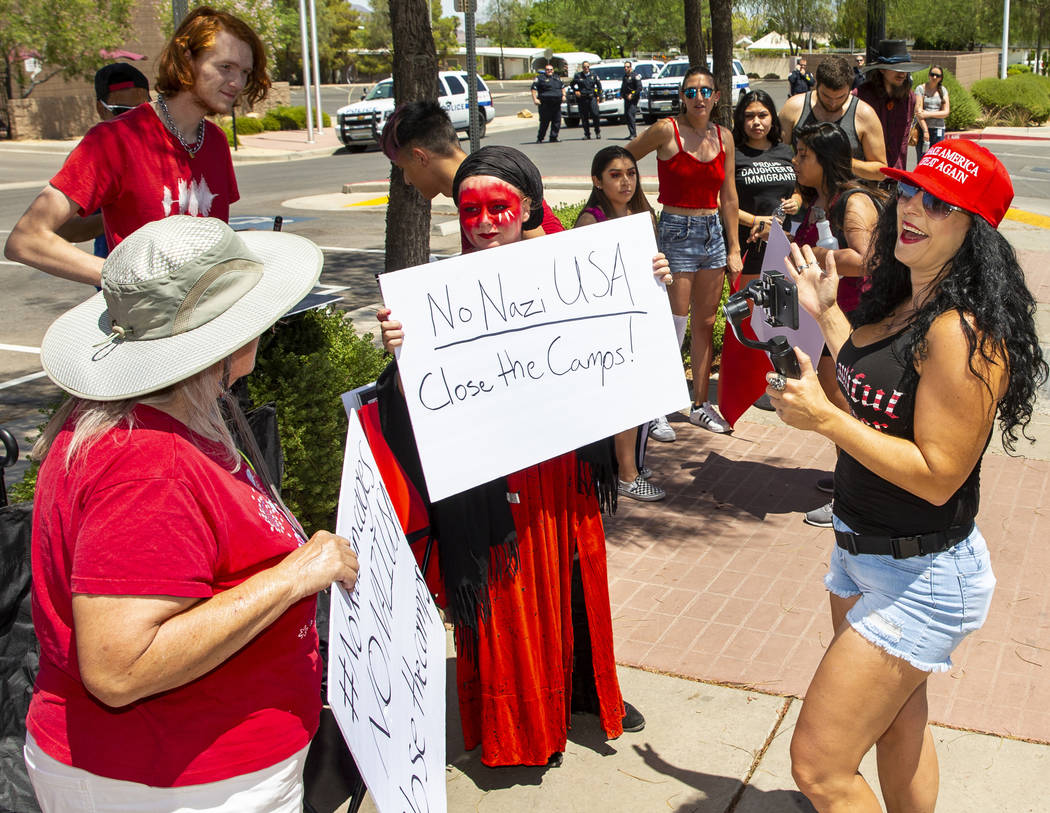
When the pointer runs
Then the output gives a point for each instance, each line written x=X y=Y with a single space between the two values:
x=630 y=92
x=800 y=80
x=548 y=92
x=587 y=87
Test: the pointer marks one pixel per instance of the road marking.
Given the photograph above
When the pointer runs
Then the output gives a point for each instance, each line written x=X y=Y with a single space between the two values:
x=14 y=382
x=4 y=187
x=371 y=202
x=1031 y=218
x=9 y=262
x=19 y=348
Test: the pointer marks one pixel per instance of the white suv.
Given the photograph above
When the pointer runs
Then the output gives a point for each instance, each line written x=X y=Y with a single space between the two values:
x=610 y=106
x=359 y=124
x=661 y=97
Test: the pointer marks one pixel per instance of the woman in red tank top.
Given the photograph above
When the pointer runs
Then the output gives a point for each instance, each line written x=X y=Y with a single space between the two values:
x=695 y=164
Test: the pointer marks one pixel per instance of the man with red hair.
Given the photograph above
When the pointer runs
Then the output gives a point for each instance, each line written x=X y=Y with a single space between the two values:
x=160 y=159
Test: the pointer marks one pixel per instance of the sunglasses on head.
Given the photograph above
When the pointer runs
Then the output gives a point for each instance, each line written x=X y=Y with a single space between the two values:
x=690 y=93
x=934 y=206
x=116 y=109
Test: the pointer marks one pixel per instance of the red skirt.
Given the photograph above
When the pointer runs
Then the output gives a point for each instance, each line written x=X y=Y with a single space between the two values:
x=514 y=699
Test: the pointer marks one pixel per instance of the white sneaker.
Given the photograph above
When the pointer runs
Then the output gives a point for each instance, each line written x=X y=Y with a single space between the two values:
x=660 y=429
x=706 y=416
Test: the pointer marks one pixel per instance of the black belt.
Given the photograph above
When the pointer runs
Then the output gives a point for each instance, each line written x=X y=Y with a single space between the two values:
x=902 y=547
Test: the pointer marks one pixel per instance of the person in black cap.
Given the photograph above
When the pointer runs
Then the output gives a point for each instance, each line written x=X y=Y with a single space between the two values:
x=119 y=87
x=887 y=88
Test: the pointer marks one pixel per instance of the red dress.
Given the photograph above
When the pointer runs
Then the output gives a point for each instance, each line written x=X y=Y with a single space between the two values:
x=514 y=696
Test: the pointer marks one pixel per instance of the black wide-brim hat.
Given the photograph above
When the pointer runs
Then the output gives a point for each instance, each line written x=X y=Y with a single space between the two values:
x=892 y=55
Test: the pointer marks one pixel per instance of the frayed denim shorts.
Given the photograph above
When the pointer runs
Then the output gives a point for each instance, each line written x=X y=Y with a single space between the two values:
x=691 y=242
x=918 y=609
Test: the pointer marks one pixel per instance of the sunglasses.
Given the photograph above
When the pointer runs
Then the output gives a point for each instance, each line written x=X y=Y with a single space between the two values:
x=690 y=93
x=116 y=109
x=934 y=206
x=935 y=75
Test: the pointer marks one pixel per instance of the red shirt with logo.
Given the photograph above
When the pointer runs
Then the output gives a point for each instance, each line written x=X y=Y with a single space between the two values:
x=149 y=512
x=136 y=172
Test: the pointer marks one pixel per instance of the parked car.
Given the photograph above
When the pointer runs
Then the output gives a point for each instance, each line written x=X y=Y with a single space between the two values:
x=359 y=124
x=610 y=106
x=661 y=97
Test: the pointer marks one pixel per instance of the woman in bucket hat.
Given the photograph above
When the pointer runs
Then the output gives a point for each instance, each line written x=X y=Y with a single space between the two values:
x=942 y=341
x=173 y=593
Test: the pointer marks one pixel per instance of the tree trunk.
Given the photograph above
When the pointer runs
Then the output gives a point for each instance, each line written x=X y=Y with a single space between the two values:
x=722 y=58
x=694 y=34
x=415 y=79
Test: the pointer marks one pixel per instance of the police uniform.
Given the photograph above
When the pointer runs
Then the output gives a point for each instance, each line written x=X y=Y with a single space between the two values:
x=631 y=92
x=588 y=86
x=550 y=90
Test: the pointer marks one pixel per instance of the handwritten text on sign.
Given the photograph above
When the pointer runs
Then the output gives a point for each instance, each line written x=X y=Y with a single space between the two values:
x=517 y=354
x=386 y=651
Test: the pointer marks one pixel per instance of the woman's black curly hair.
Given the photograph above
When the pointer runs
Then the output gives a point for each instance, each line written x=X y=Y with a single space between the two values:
x=983 y=280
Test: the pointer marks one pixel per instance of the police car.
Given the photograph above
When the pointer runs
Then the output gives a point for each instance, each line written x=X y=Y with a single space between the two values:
x=661 y=97
x=610 y=106
x=359 y=124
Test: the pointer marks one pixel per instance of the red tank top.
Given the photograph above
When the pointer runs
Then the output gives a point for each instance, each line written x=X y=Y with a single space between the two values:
x=688 y=182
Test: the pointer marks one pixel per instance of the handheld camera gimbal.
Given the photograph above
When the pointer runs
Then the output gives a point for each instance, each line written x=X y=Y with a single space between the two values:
x=779 y=297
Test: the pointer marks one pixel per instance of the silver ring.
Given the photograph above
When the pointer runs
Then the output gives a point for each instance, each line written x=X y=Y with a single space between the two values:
x=803 y=265
x=778 y=383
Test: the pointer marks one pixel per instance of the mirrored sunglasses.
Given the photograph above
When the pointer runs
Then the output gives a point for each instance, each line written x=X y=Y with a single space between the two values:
x=934 y=206
x=116 y=109
x=690 y=93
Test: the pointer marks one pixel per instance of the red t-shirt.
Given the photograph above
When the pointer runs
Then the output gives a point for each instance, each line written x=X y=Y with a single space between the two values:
x=551 y=225
x=133 y=169
x=146 y=513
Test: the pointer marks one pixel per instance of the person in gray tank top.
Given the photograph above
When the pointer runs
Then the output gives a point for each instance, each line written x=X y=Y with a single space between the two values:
x=832 y=101
x=931 y=110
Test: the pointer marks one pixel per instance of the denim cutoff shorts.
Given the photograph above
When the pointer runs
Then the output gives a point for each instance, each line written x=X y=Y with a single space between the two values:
x=918 y=609
x=692 y=242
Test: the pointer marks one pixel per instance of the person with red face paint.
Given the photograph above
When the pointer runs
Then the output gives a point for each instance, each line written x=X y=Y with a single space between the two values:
x=698 y=226
x=158 y=160
x=522 y=557
x=941 y=343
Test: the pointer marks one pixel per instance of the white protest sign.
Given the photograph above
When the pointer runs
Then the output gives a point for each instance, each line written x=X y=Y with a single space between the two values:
x=808 y=336
x=386 y=650
x=520 y=353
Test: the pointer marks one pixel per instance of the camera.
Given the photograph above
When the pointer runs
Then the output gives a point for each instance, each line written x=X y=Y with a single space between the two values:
x=774 y=292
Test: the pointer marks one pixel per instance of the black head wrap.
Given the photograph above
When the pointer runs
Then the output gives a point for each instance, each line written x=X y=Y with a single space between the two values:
x=510 y=165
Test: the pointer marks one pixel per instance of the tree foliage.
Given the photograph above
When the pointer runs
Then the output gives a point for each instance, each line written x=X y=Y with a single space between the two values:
x=935 y=25
x=796 y=19
x=67 y=42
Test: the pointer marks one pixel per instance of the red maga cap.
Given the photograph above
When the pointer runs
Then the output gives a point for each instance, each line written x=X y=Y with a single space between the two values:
x=963 y=173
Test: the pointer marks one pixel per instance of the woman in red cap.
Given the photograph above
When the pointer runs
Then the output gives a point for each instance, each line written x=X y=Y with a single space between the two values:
x=943 y=339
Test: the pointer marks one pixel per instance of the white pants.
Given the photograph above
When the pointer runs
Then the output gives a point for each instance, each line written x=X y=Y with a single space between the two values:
x=62 y=789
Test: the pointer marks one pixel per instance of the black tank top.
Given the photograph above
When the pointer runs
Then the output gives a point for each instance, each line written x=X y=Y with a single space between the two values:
x=847 y=122
x=880 y=385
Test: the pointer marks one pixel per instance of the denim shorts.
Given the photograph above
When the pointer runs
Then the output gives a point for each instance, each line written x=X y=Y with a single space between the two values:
x=692 y=242
x=918 y=609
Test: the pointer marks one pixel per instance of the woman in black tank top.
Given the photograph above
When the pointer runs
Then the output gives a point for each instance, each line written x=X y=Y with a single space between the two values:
x=942 y=341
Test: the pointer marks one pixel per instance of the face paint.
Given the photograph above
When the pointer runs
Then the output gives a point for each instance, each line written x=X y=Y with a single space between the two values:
x=490 y=211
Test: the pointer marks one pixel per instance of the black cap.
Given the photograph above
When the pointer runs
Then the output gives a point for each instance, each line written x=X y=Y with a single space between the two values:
x=118 y=76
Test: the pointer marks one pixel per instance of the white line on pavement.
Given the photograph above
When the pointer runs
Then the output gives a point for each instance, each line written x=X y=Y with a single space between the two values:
x=4 y=187
x=19 y=348
x=14 y=382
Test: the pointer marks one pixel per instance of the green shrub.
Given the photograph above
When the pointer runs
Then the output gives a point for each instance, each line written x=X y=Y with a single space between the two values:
x=229 y=135
x=1019 y=99
x=249 y=126
x=568 y=212
x=522 y=76
x=965 y=111
x=772 y=77
x=304 y=366
x=1020 y=67
x=488 y=77
x=290 y=118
